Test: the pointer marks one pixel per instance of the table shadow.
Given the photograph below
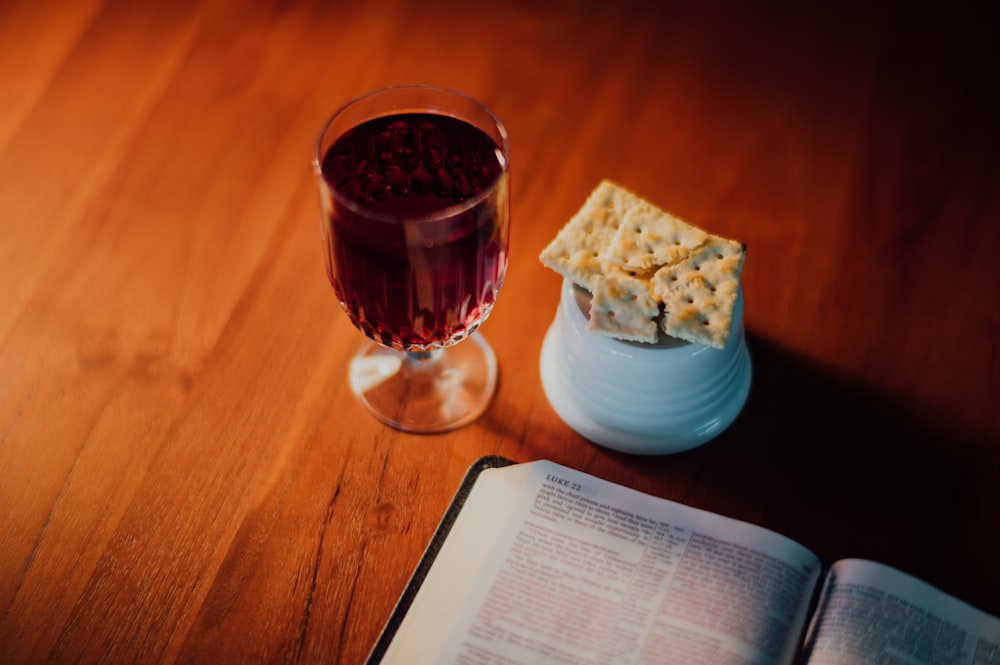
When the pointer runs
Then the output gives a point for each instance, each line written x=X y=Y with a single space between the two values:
x=848 y=470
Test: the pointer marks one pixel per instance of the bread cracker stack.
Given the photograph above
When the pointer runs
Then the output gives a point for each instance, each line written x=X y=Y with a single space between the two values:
x=636 y=259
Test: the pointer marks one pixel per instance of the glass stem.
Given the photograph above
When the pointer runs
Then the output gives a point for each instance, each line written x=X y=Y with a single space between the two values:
x=423 y=359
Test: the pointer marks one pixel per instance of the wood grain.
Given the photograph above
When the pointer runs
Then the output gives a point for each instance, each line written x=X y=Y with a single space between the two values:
x=185 y=475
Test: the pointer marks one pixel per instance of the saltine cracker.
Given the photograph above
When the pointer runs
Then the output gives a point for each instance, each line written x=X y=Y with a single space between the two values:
x=699 y=292
x=636 y=260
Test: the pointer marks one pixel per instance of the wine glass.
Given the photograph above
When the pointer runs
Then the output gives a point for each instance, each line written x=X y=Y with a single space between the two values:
x=414 y=193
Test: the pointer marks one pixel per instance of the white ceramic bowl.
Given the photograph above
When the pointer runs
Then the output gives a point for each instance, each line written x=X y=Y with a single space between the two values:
x=646 y=399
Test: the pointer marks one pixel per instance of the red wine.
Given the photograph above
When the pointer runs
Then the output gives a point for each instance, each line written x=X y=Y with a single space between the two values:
x=418 y=229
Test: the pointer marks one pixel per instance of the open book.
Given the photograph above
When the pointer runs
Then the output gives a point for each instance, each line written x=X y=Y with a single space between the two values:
x=539 y=563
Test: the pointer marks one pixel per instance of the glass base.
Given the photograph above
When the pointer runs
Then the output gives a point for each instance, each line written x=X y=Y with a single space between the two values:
x=426 y=391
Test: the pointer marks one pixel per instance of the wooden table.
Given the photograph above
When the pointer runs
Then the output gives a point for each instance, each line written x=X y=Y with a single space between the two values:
x=185 y=475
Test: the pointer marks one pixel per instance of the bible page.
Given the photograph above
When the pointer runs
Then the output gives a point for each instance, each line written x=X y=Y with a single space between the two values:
x=589 y=572
x=456 y=568
x=872 y=613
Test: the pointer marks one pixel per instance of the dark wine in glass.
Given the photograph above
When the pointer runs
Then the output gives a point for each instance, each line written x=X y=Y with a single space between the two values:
x=415 y=200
